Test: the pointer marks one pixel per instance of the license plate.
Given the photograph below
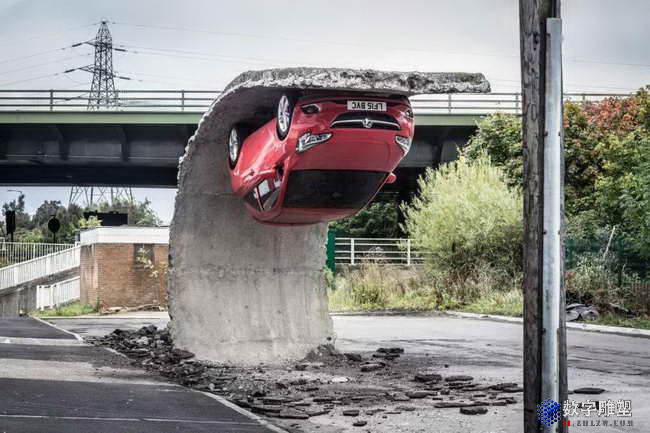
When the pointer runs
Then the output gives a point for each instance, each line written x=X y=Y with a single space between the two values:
x=366 y=106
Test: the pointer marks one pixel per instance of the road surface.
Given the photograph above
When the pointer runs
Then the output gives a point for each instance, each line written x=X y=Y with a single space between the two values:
x=50 y=382
x=488 y=350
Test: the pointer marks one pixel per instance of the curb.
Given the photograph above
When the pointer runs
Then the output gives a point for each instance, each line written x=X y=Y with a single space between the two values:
x=580 y=326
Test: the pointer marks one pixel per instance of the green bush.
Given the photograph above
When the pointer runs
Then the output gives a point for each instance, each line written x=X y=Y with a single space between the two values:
x=469 y=222
x=372 y=286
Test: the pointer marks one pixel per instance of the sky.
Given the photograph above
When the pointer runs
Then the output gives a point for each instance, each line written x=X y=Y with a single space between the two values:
x=201 y=44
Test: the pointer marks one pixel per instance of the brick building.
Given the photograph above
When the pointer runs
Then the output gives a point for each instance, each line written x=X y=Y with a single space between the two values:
x=124 y=266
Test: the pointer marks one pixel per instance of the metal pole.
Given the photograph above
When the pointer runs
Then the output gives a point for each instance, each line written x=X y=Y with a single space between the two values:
x=352 y=251
x=408 y=252
x=552 y=222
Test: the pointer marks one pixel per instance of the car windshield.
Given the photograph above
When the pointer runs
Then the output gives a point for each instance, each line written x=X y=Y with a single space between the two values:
x=335 y=189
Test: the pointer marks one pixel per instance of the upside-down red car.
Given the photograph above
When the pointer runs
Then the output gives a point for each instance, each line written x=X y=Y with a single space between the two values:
x=320 y=158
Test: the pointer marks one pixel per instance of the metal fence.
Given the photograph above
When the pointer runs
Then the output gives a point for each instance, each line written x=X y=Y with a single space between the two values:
x=356 y=251
x=16 y=252
x=61 y=293
x=40 y=267
x=200 y=100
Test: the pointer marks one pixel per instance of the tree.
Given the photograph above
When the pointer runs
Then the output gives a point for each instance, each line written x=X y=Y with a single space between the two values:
x=606 y=166
x=139 y=213
x=378 y=220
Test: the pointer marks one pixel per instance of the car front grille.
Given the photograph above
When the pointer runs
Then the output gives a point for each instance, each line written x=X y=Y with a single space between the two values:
x=366 y=120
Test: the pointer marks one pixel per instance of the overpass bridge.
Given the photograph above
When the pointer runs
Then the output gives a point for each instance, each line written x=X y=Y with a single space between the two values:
x=49 y=137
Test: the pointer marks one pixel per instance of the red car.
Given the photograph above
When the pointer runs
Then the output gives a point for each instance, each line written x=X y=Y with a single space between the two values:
x=320 y=158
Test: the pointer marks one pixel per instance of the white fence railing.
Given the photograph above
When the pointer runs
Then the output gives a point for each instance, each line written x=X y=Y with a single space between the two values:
x=16 y=252
x=60 y=293
x=356 y=251
x=40 y=267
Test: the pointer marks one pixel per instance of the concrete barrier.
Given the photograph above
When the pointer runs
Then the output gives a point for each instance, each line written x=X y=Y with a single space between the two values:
x=240 y=291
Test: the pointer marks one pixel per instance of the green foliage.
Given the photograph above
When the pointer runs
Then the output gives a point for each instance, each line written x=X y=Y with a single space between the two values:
x=616 y=320
x=87 y=224
x=468 y=220
x=607 y=145
x=372 y=286
x=139 y=213
x=378 y=220
x=73 y=309
x=510 y=303
x=34 y=228
x=499 y=136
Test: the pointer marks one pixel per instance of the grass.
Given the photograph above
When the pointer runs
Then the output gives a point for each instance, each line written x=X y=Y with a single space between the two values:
x=377 y=287
x=509 y=303
x=613 y=320
x=73 y=309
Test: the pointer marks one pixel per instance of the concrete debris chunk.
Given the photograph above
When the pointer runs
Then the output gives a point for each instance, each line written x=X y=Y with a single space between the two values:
x=588 y=390
x=459 y=378
x=427 y=377
x=475 y=410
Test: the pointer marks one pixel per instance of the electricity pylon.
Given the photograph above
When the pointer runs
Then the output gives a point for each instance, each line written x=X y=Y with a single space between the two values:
x=102 y=94
x=102 y=89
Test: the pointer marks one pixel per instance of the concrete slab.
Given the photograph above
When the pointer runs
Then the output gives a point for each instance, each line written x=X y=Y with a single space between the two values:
x=244 y=292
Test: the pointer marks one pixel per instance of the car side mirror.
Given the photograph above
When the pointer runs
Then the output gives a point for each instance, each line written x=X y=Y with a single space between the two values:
x=391 y=178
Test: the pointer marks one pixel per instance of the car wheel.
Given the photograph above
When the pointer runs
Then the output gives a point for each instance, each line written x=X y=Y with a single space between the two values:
x=284 y=116
x=234 y=146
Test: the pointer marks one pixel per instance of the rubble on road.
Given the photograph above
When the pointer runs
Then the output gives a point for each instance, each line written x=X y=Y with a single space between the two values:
x=326 y=383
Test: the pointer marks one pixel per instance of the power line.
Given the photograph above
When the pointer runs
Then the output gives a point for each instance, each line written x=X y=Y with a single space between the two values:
x=48 y=34
x=203 y=54
x=356 y=44
x=35 y=54
x=44 y=63
x=31 y=79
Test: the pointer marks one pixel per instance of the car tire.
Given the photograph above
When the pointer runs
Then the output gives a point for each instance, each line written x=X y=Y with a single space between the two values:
x=235 y=142
x=284 y=115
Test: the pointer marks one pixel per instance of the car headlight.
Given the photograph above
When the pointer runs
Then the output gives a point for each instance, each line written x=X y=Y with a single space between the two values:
x=309 y=140
x=403 y=142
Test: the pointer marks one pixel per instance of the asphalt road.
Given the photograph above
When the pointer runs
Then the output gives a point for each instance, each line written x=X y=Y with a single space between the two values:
x=490 y=351
x=52 y=383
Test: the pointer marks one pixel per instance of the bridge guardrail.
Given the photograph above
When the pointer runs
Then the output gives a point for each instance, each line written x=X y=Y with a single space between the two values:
x=200 y=100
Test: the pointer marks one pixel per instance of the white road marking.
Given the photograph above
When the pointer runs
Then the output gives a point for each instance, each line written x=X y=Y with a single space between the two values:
x=94 y=418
